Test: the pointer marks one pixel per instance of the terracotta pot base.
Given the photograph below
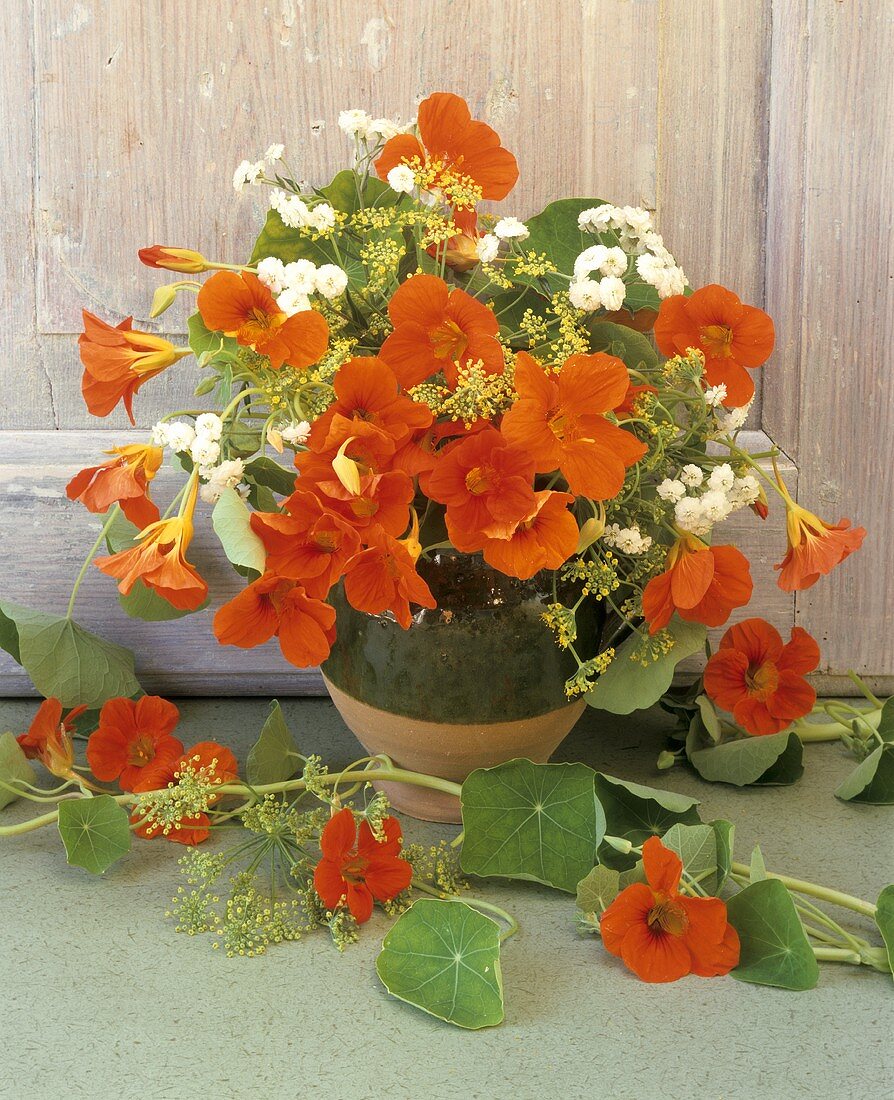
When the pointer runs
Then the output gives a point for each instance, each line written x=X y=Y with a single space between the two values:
x=448 y=750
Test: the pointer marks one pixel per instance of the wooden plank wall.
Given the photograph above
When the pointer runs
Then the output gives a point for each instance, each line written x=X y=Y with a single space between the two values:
x=754 y=129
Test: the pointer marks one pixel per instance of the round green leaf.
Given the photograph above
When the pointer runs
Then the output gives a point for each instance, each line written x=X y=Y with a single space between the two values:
x=231 y=520
x=630 y=346
x=598 y=890
x=636 y=812
x=555 y=233
x=772 y=760
x=774 y=947
x=531 y=821
x=444 y=957
x=95 y=832
x=704 y=850
x=14 y=767
x=872 y=781
x=274 y=757
x=626 y=685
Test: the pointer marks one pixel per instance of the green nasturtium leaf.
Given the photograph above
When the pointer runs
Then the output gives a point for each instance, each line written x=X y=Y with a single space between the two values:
x=886 y=720
x=635 y=813
x=531 y=821
x=872 y=781
x=95 y=832
x=14 y=767
x=207 y=345
x=630 y=346
x=705 y=851
x=265 y=471
x=444 y=957
x=771 y=760
x=774 y=947
x=598 y=889
x=757 y=869
x=555 y=233
x=231 y=520
x=67 y=661
x=626 y=685
x=884 y=918
x=274 y=757
x=343 y=194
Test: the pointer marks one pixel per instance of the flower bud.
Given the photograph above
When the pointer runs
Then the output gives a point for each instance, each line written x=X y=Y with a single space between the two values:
x=174 y=259
x=163 y=298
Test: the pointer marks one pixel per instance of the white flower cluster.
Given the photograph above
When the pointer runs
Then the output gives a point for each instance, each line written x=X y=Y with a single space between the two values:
x=401 y=179
x=488 y=247
x=629 y=540
x=508 y=229
x=730 y=420
x=225 y=476
x=358 y=124
x=249 y=173
x=608 y=292
x=293 y=283
x=296 y=214
x=636 y=234
x=201 y=441
x=713 y=498
x=296 y=432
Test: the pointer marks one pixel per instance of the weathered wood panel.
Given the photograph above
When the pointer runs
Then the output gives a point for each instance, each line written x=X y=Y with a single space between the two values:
x=47 y=536
x=834 y=401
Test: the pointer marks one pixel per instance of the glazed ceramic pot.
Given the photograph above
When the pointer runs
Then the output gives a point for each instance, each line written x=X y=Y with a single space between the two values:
x=475 y=682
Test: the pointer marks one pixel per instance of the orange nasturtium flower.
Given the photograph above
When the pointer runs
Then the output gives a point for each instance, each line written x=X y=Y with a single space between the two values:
x=383 y=577
x=453 y=148
x=214 y=762
x=275 y=607
x=159 y=560
x=49 y=738
x=560 y=422
x=133 y=737
x=356 y=869
x=123 y=480
x=546 y=539
x=486 y=485
x=731 y=335
x=663 y=935
x=436 y=329
x=118 y=360
x=186 y=260
x=703 y=584
x=239 y=305
x=759 y=680
x=814 y=546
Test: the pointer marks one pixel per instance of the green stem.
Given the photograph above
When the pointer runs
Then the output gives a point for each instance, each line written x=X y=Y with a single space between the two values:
x=863 y=689
x=837 y=954
x=475 y=903
x=102 y=534
x=799 y=886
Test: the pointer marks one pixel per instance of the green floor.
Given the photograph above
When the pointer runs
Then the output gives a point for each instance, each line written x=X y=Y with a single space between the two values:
x=102 y=999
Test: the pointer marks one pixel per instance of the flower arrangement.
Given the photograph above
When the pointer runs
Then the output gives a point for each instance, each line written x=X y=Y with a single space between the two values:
x=394 y=372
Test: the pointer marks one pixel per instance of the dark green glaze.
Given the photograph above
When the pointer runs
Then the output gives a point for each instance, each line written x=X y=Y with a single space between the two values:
x=483 y=655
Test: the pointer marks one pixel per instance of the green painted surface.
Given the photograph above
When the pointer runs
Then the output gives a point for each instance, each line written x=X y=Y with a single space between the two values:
x=102 y=999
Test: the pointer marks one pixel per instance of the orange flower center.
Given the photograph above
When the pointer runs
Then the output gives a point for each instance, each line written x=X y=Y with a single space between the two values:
x=326 y=542
x=364 y=507
x=258 y=326
x=562 y=425
x=141 y=751
x=448 y=341
x=668 y=916
x=354 y=871
x=762 y=680
x=480 y=479
x=717 y=340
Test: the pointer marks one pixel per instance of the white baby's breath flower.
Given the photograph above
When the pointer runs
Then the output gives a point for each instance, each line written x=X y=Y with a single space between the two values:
x=322 y=217
x=670 y=281
x=615 y=262
x=629 y=540
x=274 y=152
x=650 y=268
x=354 y=123
x=331 y=281
x=715 y=505
x=204 y=451
x=745 y=490
x=300 y=276
x=731 y=420
x=296 y=432
x=692 y=475
x=159 y=434
x=247 y=174
x=291 y=208
x=401 y=179
x=293 y=301
x=638 y=220
x=272 y=273
x=384 y=128
x=612 y=292
x=511 y=229
x=688 y=516
x=209 y=426
x=671 y=490
x=715 y=395
x=225 y=476
x=584 y=294
x=180 y=435
x=488 y=247
x=591 y=259
x=597 y=218
x=722 y=477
